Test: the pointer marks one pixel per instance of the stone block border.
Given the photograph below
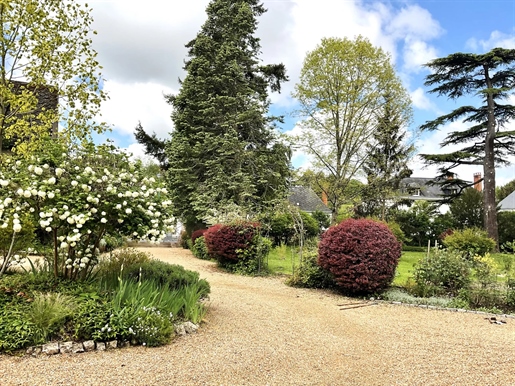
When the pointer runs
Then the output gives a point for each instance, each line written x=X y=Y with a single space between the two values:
x=70 y=347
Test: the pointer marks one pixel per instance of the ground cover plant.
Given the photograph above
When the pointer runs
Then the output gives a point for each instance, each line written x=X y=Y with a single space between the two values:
x=37 y=307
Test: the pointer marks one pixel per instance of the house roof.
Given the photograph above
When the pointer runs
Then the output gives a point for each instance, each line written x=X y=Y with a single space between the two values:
x=423 y=188
x=306 y=200
x=508 y=204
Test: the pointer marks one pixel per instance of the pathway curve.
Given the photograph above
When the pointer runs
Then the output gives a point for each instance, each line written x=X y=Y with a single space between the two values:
x=260 y=332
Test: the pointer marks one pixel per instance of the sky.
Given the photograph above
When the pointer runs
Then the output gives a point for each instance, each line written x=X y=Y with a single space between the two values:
x=141 y=49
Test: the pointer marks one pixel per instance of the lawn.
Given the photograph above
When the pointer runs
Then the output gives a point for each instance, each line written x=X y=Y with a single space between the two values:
x=405 y=267
x=281 y=260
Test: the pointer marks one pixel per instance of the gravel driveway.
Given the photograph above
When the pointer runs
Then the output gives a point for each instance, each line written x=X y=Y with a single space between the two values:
x=258 y=331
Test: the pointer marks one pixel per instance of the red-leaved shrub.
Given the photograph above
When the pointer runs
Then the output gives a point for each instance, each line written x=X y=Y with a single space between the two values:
x=196 y=234
x=226 y=243
x=361 y=254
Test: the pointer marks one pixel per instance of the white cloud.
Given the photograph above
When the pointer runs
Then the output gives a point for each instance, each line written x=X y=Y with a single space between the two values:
x=131 y=103
x=421 y=101
x=416 y=54
x=496 y=39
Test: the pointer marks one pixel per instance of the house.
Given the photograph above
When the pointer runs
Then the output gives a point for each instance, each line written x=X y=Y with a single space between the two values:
x=430 y=189
x=508 y=204
x=307 y=200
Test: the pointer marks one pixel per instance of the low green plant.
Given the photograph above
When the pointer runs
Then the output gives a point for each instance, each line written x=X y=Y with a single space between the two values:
x=398 y=295
x=199 y=248
x=167 y=275
x=470 y=242
x=485 y=270
x=112 y=263
x=48 y=313
x=16 y=330
x=308 y=274
x=442 y=272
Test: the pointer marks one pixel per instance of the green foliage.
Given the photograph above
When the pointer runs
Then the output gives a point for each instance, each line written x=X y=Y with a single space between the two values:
x=486 y=140
x=470 y=242
x=349 y=77
x=399 y=295
x=507 y=230
x=324 y=221
x=485 y=270
x=15 y=245
x=504 y=191
x=417 y=222
x=387 y=160
x=111 y=265
x=467 y=209
x=167 y=275
x=443 y=272
x=42 y=43
x=16 y=331
x=224 y=150
x=78 y=197
x=48 y=312
x=199 y=249
x=308 y=274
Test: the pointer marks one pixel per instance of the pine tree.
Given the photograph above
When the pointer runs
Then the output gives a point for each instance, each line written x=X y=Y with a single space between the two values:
x=387 y=161
x=223 y=150
x=491 y=76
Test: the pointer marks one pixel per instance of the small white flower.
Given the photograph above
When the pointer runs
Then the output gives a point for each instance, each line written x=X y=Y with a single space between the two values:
x=50 y=195
x=51 y=180
x=128 y=210
x=74 y=183
x=103 y=220
x=16 y=228
x=59 y=172
x=38 y=170
x=26 y=194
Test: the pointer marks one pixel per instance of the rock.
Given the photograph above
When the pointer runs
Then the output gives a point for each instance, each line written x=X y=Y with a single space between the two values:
x=179 y=329
x=66 y=347
x=50 y=348
x=111 y=345
x=124 y=344
x=190 y=327
x=37 y=351
x=89 y=345
x=101 y=346
x=77 y=348
x=30 y=350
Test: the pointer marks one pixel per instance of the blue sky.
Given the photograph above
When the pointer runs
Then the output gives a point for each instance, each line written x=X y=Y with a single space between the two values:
x=142 y=52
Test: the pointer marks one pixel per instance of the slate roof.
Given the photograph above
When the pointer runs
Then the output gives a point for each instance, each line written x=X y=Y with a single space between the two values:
x=426 y=188
x=307 y=200
x=508 y=204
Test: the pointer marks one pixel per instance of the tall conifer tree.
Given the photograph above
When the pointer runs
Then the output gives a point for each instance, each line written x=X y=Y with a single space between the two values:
x=223 y=150
x=486 y=141
x=387 y=161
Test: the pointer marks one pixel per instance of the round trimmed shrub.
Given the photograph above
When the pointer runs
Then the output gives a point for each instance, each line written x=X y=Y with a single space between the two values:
x=226 y=243
x=361 y=255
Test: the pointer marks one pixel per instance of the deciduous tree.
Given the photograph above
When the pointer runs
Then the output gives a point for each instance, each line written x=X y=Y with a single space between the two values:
x=46 y=51
x=341 y=92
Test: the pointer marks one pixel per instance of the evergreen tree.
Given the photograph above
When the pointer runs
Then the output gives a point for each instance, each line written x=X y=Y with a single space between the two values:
x=467 y=209
x=386 y=163
x=224 y=150
x=491 y=76
x=154 y=146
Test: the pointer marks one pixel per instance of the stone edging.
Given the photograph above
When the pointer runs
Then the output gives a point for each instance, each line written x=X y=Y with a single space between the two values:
x=90 y=345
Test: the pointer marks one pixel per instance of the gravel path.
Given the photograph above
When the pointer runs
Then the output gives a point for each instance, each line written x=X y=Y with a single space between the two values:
x=258 y=331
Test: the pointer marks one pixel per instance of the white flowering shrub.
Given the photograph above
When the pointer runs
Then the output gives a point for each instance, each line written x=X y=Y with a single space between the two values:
x=78 y=197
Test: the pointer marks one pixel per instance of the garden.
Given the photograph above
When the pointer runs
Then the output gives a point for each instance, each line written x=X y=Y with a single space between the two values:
x=63 y=277
x=363 y=258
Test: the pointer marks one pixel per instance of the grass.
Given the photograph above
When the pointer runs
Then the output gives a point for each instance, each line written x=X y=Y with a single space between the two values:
x=405 y=267
x=281 y=260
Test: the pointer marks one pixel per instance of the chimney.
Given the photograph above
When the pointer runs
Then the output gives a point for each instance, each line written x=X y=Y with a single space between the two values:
x=477 y=183
x=324 y=197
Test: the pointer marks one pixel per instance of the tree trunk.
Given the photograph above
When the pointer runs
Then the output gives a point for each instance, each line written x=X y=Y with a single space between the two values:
x=490 y=211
